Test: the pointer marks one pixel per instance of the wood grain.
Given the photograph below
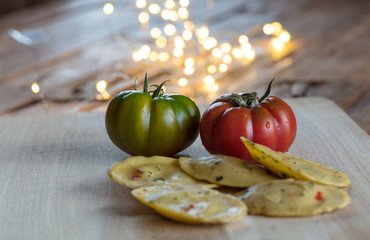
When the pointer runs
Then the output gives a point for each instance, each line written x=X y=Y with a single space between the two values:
x=53 y=172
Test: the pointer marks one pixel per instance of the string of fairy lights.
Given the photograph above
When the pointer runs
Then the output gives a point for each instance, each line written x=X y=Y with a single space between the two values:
x=176 y=40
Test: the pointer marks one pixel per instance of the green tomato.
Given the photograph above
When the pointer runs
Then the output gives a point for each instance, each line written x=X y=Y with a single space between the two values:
x=141 y=123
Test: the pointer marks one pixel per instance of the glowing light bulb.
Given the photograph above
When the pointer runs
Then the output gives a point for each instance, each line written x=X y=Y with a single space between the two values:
x=223 y=67
x=170 y=29
x=174 y=17
x=101 y=86
x=243 y=39
x=161 y=42
x=108 y=8
x=246 y=46
x=188 y=25
x=277 y=44
x=250 y=54
x=184 y=3
x=189 y=70
x=179 y=42
x=227 y=59
x=212 y=69
x=183 y=13
x=208 y=80
x=169 y=4
x=144 y=51
x=140 y=3
x=217 y=53
x=183 y=82
x=166 y=15
x=163 y=56
x=226 y=47
x=202 y=32
x=215 y=87
x=189 y=62
x=154 y=8
x=209 y=43
x=155 y=32
x=237 y=53
x=143 y=17
x=35 y=88
x=284 y=36
x=178 y=52
x=268 y=29
x=136 y=56
x=153 y=56
x=187 y=35
x=276 y=26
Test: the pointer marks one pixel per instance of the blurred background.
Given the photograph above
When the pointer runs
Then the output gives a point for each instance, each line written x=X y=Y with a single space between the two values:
x=67 y=56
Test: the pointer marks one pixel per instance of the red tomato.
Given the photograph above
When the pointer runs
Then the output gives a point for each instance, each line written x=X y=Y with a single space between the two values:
x=268 y=121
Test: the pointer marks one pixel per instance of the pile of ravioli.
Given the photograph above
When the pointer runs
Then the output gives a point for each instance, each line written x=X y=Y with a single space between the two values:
x=278 y=185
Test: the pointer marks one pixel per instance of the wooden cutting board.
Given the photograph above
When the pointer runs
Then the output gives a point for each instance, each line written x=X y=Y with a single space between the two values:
x=54 y=183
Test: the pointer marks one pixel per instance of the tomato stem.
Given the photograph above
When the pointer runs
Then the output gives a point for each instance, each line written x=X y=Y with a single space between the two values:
x=145 y=88
x=267 y=92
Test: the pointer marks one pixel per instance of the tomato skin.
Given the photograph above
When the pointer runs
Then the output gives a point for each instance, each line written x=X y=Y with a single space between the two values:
x=141 y=125
x=271 y=123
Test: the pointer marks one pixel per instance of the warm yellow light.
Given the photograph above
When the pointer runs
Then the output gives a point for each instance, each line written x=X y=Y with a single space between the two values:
x=108 y=8
x=143 y=17
x=178 y=52
x=170 y=29
x=144 y=51
x=211 y=69
x=243 y=39
x=169 y=4
x=153 y=56
x=227 y=58
x=166 y=14
x=189 y=70
x=163 y=56
x=184 y=3
x=179 y=42
x=202 y=32
x=155 y=32
x=250 y=54
x=276 y=27
x=246 y=46
x=208 y=80
x=268 y=29
x=284 y=36
x=161 y=42
x=217 y=53
x=189 y=62
x=101 y=86
x=189 y=25
x=136 y=56
x=277 y=44
x=183 y=82
x=237 y=53
x=140 y=3
x=154 y=8
x=35 y=87
x=174 y=17
x=210 y=43
x=223 y=67
x=187 y=35
x=215 y=87
x=226 y=47
x=183 y=13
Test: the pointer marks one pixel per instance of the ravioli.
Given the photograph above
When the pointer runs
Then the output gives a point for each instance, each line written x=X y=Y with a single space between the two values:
x=291 y=198
x=224 y=170
x=288 y=166
x=142 y=171
x=191 y=204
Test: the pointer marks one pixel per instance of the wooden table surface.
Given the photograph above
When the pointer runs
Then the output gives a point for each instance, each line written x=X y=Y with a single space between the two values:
x=76 y=45
x=54 y=182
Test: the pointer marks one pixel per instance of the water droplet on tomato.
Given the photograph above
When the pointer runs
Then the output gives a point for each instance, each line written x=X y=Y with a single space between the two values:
x=267 y=124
